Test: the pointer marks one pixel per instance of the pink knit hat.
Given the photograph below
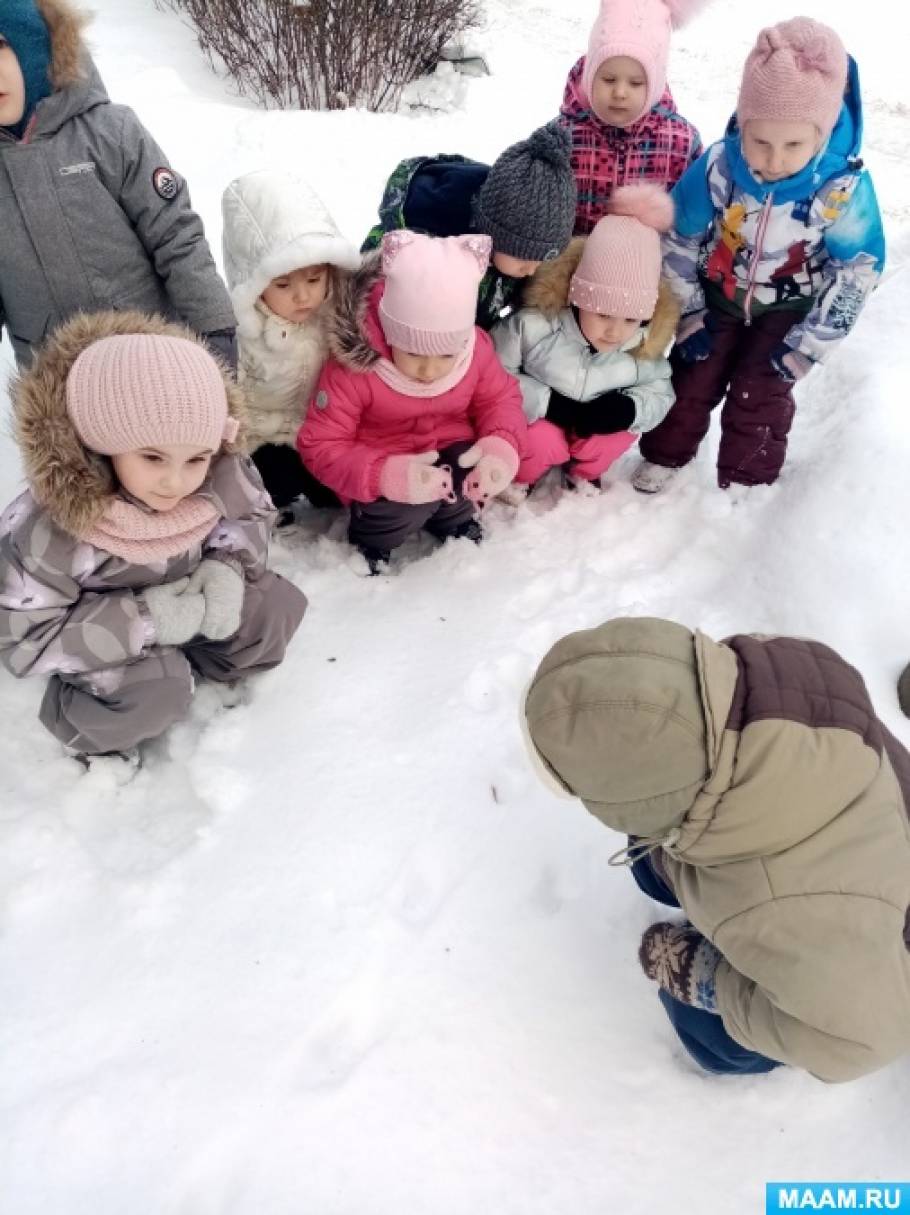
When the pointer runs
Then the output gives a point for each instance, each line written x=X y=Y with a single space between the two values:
x=430 y=296
x=641 y=30
x=796 y=72
x=619 y=271
x=137 y=390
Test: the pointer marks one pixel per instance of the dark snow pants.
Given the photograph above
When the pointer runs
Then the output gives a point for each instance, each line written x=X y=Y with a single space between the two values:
x=117 y=708
x=286 y=477
x=701 y=1033
x=758 y=410
x=383 y=525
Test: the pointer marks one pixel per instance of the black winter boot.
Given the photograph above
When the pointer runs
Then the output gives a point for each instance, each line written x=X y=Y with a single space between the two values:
x=377 y=559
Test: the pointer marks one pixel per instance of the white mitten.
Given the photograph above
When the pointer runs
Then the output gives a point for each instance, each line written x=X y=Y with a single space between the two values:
x=222 y=588
x=176 y=611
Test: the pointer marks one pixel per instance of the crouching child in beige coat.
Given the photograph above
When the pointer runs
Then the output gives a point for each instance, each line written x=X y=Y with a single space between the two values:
x=762 y=796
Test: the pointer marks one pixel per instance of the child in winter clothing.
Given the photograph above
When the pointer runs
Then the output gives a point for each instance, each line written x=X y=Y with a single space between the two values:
x=588 y=348
x=138 y=555
x=763 y=796
x=414 y=421
x=776 y=246
x=284 y=259
x=525 y=203
x=92 y=218
x=618 y=109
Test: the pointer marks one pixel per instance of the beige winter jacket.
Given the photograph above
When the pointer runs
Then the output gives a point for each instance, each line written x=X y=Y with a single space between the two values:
x=780 y=805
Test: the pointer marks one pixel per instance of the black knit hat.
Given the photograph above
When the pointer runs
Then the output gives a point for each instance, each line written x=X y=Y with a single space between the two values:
x=527 y=203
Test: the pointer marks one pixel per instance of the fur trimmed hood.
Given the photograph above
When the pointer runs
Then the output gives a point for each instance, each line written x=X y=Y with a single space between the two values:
x=69 y=53
x=355 y=338
x=69 y=481
x=548 y=292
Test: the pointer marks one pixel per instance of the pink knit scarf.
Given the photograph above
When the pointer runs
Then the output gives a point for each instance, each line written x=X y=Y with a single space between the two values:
x=145 y=536
x=399 y=382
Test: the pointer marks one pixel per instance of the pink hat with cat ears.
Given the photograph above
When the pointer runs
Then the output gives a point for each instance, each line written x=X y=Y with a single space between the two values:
x=430 y=298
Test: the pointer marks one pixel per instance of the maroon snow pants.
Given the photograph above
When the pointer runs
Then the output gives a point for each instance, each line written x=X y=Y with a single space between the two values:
x=758 y=410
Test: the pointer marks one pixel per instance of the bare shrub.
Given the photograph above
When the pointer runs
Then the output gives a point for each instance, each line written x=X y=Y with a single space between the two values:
x=326 y=54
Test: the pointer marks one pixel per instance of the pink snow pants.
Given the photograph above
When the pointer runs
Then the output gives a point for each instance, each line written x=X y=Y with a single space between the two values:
x=549 y=445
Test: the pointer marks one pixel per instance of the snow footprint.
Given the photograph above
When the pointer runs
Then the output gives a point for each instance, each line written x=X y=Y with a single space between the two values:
x=348 y=1031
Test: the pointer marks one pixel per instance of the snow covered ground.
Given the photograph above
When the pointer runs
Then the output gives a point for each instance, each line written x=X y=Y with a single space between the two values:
x=335 y=951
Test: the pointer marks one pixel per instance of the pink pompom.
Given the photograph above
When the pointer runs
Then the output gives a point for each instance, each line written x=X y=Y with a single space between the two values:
x=649 y=204
x=682 y=11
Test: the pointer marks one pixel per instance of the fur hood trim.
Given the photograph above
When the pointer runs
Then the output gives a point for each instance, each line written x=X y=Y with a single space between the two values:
x=349 y=340
x=69 y=54
x=69 y=481
x=548 y=292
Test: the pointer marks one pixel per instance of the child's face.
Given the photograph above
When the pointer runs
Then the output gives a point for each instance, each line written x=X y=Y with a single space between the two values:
x=606 y=332
x=424 y=368
x=514 y=267
x=775 y=150
x=12 y=86
x=296 y=296
x=163 y=476
x=620 y=91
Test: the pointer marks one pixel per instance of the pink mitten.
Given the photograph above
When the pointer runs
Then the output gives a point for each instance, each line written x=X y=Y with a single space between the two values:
x=493 y=463
x=416 y=479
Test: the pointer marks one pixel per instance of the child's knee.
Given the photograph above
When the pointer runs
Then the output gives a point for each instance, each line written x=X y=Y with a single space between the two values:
x=116 y=709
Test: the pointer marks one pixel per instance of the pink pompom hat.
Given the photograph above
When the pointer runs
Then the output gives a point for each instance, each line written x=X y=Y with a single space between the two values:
x=619 y=271
x=641 y=30
x=796 y=72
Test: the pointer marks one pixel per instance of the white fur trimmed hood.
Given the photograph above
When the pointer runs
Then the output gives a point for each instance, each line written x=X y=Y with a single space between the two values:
x=273 y=224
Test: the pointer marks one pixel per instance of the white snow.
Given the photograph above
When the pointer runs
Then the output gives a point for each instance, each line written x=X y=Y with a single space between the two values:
x=335 y=950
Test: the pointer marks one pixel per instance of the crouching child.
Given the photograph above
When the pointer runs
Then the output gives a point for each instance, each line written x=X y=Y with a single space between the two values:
x=763 y=797
x=137 y=557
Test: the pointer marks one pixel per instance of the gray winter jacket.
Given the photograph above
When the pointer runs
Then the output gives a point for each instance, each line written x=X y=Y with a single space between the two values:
x=66 y=606
x=544 y=348
x=91 y=215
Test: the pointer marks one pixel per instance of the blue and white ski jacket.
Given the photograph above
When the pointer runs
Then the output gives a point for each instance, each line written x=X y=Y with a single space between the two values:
x=813 y=241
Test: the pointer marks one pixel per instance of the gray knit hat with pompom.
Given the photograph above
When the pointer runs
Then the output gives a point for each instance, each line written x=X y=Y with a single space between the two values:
x=527 y=203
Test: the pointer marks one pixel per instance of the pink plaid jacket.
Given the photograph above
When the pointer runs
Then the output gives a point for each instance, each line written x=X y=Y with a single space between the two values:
x=659 y=148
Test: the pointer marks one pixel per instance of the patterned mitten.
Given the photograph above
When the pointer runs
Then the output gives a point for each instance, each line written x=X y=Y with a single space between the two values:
x=416 y=479
x=175 y=612
x=695 y=337
x=791 y=365
x=493 y=463
x=682 y=962
x=222 y=588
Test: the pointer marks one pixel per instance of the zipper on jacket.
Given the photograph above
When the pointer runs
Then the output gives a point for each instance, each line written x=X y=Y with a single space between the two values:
x=753 y=268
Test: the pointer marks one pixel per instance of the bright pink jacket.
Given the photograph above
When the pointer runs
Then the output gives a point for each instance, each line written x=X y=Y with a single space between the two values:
x=658 y=148
x=355 y=420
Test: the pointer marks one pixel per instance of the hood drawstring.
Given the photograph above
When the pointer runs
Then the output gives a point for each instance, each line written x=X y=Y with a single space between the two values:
x=641 y=846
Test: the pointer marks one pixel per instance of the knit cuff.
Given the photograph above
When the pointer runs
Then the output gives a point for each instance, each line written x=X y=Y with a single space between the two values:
x=500 y=449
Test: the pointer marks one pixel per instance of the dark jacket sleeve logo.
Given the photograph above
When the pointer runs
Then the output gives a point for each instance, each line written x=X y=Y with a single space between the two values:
x=166 y=183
